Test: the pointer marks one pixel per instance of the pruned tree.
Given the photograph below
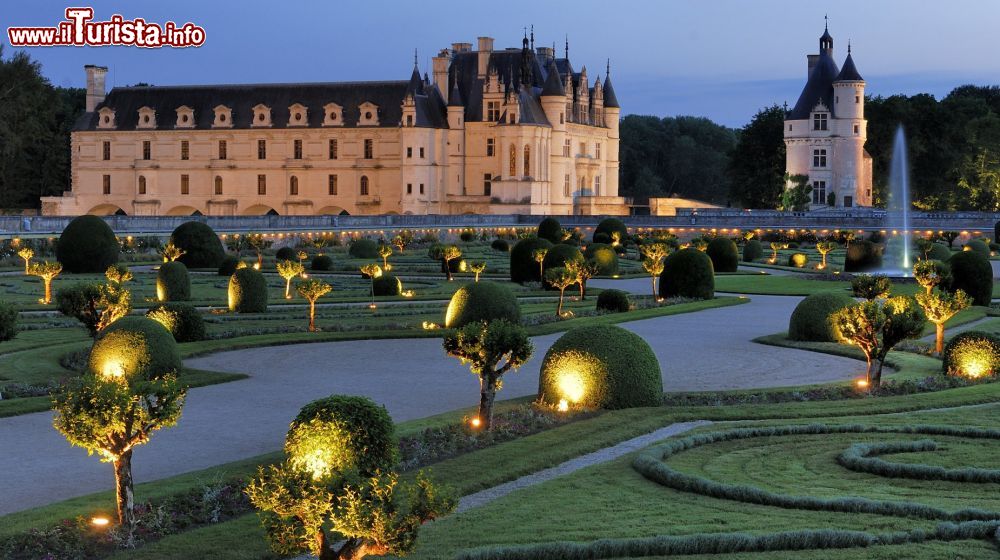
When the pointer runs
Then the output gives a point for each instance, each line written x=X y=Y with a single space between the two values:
x=237 y=243
x=372 y=271
x=950 y=237
x=259 y=244
x=924 y=246
x=876 y=326
x=560 y=277
x=775 y=247
x=26 y=253
x=477 y=268
x=47 y=271
x=825 y=248
x=402 y=239
x=932 y=274
x=652 y=262
x=584 y=271
x=289 y=270
x=871 y=286
x=385 y=251
x=445 y=254
x=116 y=299
x=539 y=256
x=940 y=306
x=171 y=252
x=312 y=290
x=302 y=256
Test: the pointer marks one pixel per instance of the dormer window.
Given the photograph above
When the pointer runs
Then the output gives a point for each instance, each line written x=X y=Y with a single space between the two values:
x=223 y=117
x=333 y=115
x=185 y=117
x=147 y=118
x=369 y=114
x=297 y=115
x=106 y=118
x=261 y=115
x=820 y=121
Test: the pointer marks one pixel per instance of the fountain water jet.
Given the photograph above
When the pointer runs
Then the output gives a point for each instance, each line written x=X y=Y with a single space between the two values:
x=896 y=257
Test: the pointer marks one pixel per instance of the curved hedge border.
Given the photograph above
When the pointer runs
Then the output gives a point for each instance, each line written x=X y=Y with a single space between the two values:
x=862 y=457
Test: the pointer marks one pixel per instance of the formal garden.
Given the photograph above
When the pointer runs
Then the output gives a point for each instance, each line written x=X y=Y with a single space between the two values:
x=584 y=439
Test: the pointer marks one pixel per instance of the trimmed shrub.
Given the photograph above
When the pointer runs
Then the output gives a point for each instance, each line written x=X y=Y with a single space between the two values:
x=247 y=291
x=173 y=282
x=604 y=256
x=609 y=225
x=798 y=260
x=615 y=301
x=602 y=238
x=977 y=246
x=182 y=320
x=87 y=245
x=500 y=245
x=467 y=236
x=228 y=265
x=387 y=285
x=602 y=366
x=939 y=252
x=203 y=247
x=135 y=346
x=550 y=229
x=687 y=273
x=322 y=263
x=972 y=273
x=996 y=232
x=863 y=256
x=811 y=319
x=8 y=321
x=971 y=354
x=560 y=254
x=994 y=248
x=752 y=250
x=482 y=301
x=523 y=267
x=286 y=254
x=356 y=435
x=724 y=254
x=363 y=248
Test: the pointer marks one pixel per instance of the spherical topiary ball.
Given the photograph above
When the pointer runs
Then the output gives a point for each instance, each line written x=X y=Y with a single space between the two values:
x=482 y=301
x=724 y=254
x=604 y=256
x=752 y=250
x=687 y=273
x=602 y=366
x=939 y=252
x=608 y=226
x=363 y=249
x=387 y=285
x=863 y=256
x=811 y=319
x=500 y=245
x=286 y=254
x=182 y=320
x=523 y=267
x=972 y=354
x=135 y=347
x=228 y=265
x=321 y=263
x=173 y=282
x=978 y=246
x=247 y=291
x=798 y=260
x=615 y=301
x=87 y=245
x=603 y=238
x=972 y=273
x=550 y=229
x=202 y=247
x=561 y=254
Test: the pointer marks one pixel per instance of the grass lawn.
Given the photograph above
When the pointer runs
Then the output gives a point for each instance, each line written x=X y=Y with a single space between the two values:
x=766 y=284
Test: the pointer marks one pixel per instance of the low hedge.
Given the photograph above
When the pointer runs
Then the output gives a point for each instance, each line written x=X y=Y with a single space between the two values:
x=810 y=321
x=863 y=256
x=387 y=285
x=87 y=244
x=321 y=263
x=363 y=248
x=604 y=256
x=971 y=354
x=752 y=250
x=724 y=254
x=183 y=321
x=482 y=301
x=247 y=291
x=972 y=273
x=228 y=265
x=523 y=267
x=135 y=346
x=202 y=247
x=687 y=273
x=8 y=321
x=615 y=301
x=173 y=283
x=862 y=457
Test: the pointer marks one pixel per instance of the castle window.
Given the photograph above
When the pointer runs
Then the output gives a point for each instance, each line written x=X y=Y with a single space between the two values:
x=261 y=185
x=262 y=149
x=369 y=114
x=223 y=117
x=185 y=184
x=142 y=184
x=567 y=146
x=562 y=118
x=421 y=188
x=510 y=118
x=331 y=185
x=332 y=115
x=527 y=160
x=566 y=186
x=333 y=148
x=487 y=184
x=293 y=186
x=185 y=117
x=857 y=99
x=513 y=161
x=819 y=192
x=857 y=129
x=261 y=115
x=106 y=149
x=364 y=185
x=223 y=150
x=147 y=150
x=218 y=185
x=369 y=148
x=421 y=152
x=106 y=184
x=583 y=148
x=597 y=186
x=492 y=111
x=819 y=158
x=409 y=120
x=409 y=188
x=490 y=147
x=107 y=119
x=297 y=149
x=185 y=150
x=820 y=121
x=409 y=152
x=597 y=150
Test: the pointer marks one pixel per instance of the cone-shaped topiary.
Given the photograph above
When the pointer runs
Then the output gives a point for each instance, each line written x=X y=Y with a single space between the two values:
x=322 y=263
x=604 y=256
x=972 y=273
x=687 y=273
x=173 y=282
x=202 y=247
x=978 y=246
x=603 y=366
x=387 y=285
x=228 y=265
x=615 y=301
x=363 y=248
x=482 y=301
x=607 y=226
x=752 y=250
x=724 y=254
x=550 y=229
x=247 y=291
x=863 y=256
x=523 y=267
x=135 y=346
x=811 y=319
x=972 y=354
x=182 y=320
x=87 y=245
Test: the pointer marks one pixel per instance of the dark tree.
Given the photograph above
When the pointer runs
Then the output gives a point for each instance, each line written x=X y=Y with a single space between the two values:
x=757 y=165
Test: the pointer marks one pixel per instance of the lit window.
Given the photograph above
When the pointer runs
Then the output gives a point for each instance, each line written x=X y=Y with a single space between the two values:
x=364 y=185
x=147 y=151
x=333 y=148
x=185 y=184
x=297 y=149
x=527 y=160
x=331 y=185
x=107 y=150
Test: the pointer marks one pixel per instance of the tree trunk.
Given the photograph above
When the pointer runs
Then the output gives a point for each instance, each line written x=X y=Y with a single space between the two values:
x=487 y=395
x=26 y=261
x=559 y=308
x=876 y=379
x=583 y=290
x=447 y=269
x=123 y=490
x=312 y=316
x=355 y=549
x=288 y=288
x=939 y=346
x=260 y=261
x=48 y=291
x=655 y=295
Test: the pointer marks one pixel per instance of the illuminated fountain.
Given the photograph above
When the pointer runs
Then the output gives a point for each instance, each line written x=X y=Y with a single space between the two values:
x=896 y=259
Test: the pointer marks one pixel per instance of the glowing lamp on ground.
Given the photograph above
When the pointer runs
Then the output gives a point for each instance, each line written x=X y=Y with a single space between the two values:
x=974 y=366
x=408 y=293
x=113 y=369
x=571 y=387
x=476 y=422
x=100 y=522
x=563 y=405
x=256 y=266
x=861 y=383
x=372 y=306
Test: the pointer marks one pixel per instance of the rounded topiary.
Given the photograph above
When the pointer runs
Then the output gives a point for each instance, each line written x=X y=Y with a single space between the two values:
x=228 y=265
x=604 y=256
x=752 y=250
x=8 y=321
x=247 y=291
x=173 y=282
x=939 y=252
x=798 y=260
x=687 y=273
x=972 y=273
x=500 y=245
x=863 y=256
x=387 y=285
x=363 y=248
x=135 y=347
x=203 y=248
x=467 y=236
x=602 y=366
x=482 y=301
x=182 y=320
x=811 y=319
x=609 y=225
x=321 y=262
x=996 y=232
x=615 y=301
x=602 y=238
x=724 y=254
x=87 y=245
x=550 y=229
x=561 y=254
x=286 y=254
x=523 y=267
x=972 y=354
x=978 y=246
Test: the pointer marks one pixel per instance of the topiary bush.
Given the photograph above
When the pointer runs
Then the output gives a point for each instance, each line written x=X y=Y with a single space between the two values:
x=971 y=354
x=321 y=262
x=602 y=238
x=811 y=319
x=8 y=321
x=500 y=245
x=203 y=248
x=560 y=254
x=87 y=245
x=687 y=273
x=467 y=236
x=996 y=232
x=863 y=256
x=724 y=254
x=182 y=320
x=551 y=230
x=977 y=246
x=482 y=301
x=939 y=252
x=752 y=250
x=615 y=301
x=972 y=273
x=173 y=282
x=604 y=256
x=247 y=291
x=286 y=254
x=135 y=346
x=228 y=265
x=798 y=260
x=607 y=226
x=602 y=366
x=387 y=285
x=363 y=248
x=523 y=267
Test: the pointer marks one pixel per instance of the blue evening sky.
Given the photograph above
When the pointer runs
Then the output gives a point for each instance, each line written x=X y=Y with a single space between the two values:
x=722 y=59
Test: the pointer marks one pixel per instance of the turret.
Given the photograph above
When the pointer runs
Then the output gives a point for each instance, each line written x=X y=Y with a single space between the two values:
x=455 y=108
x=553 y=98
x=95 y=86
x=849 y=91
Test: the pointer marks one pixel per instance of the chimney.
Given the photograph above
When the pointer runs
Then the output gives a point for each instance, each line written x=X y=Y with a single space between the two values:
x=440 y=68
x=812 y=58
x=95 y=85
x=485 y=49
x=461 y=47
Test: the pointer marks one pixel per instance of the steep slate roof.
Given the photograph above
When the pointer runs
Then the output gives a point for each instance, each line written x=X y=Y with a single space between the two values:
x=610 y=99
x=849 y=73
x=818 y=88
x=553 y=83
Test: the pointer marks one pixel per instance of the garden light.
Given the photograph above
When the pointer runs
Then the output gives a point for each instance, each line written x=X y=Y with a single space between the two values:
x=563 y=405
x=100 y=521
x=476 y=422
x=862 y=383
x=571 y=386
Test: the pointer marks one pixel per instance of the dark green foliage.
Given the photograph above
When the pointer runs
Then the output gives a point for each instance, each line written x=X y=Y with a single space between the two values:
x=173 y=282
x=939 y=252
x=972 y=273
x=602 y=238
x=996 y=232
x=550 y=229
x=363 y=248
x=863 y=256
x=757 y=166
x=482 y=301
x=614 y=368
x=203 y=248
x=724 y=254
x=560 y=254
x=87 y=245
x=228 y=265
x=387 y=285
x=467 y=236
x=8 y=321
x=687 y=273
x=322 y=263
x=247 y=291
x=615 y=301
x=286 y=254
x=752 y=250
x=608 y=226
x=500 y=245
x=368 y=440
x=862 y=457
x=80 y=302
x=811 y=319
x=871 y=286
x=978 y=246
x=523 y=267
x=182 y=320
x=985 y=346
x=135 y=346
x=604 y=256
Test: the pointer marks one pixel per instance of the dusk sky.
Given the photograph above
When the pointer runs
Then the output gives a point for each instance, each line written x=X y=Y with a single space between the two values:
x=722 y=59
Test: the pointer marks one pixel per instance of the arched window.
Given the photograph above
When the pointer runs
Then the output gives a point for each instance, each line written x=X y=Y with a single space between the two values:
x=527 y=161
x=293 y=186
x=364 y=185
x=513 y=161
x=142 y=184
x=218 y=185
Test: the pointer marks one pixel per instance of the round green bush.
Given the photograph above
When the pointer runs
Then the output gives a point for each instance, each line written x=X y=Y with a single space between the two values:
x=724 y=254
x=482 y=301
x=752 y=250
x=978 y=246
x=604 y=256
x=523 y=267
x=939 y=252
x=87 y=245
x=602 y=366
x=863 y=256
x=550 y=229
x=387 y=285
x=798 y=260
x=8 y=321
x=615 y=301
x=182 y=320
x=687 y=273
x=228 y=265
x=609 y=225
x=996 y=232
x=811 y=319
x=561 y=254
x=286 y=254
x=467 y=236
x=322 y=263
x=500 y=245
x=203 y=248
x=363 y=248
x=971 y=354
x=972 y=273
x=135 y=347
x=173 y=282
x=602 y=238
x=247 y=291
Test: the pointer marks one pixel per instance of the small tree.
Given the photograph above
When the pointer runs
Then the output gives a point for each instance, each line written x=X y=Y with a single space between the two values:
x=446 y=254
x=82 y=302
x=652 y=262
x=939 y=306
x=116 y=299
x=402 y=239
x=775 y=247
x=825 y=248
x=372 y=271
x=875 y=326
x=931 y=274
x=560 y=278
x=289 y=270
x=47 y=272
x=950 y=237
x=583 y=270
x=871 y=286
x=312 y=290
x=539 y=256
x=27 y=253
x=700 y=243
x=385 y=251
x=171 y=252
x=491 y=349
x=320 y=242
x=302 y=256
x=924 y=246
x=477 y=268
x=237 y=243
x=259 y=244
x=797 y=195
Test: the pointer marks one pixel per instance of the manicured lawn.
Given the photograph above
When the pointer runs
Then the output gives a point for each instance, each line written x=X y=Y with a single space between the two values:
x=765 y=284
